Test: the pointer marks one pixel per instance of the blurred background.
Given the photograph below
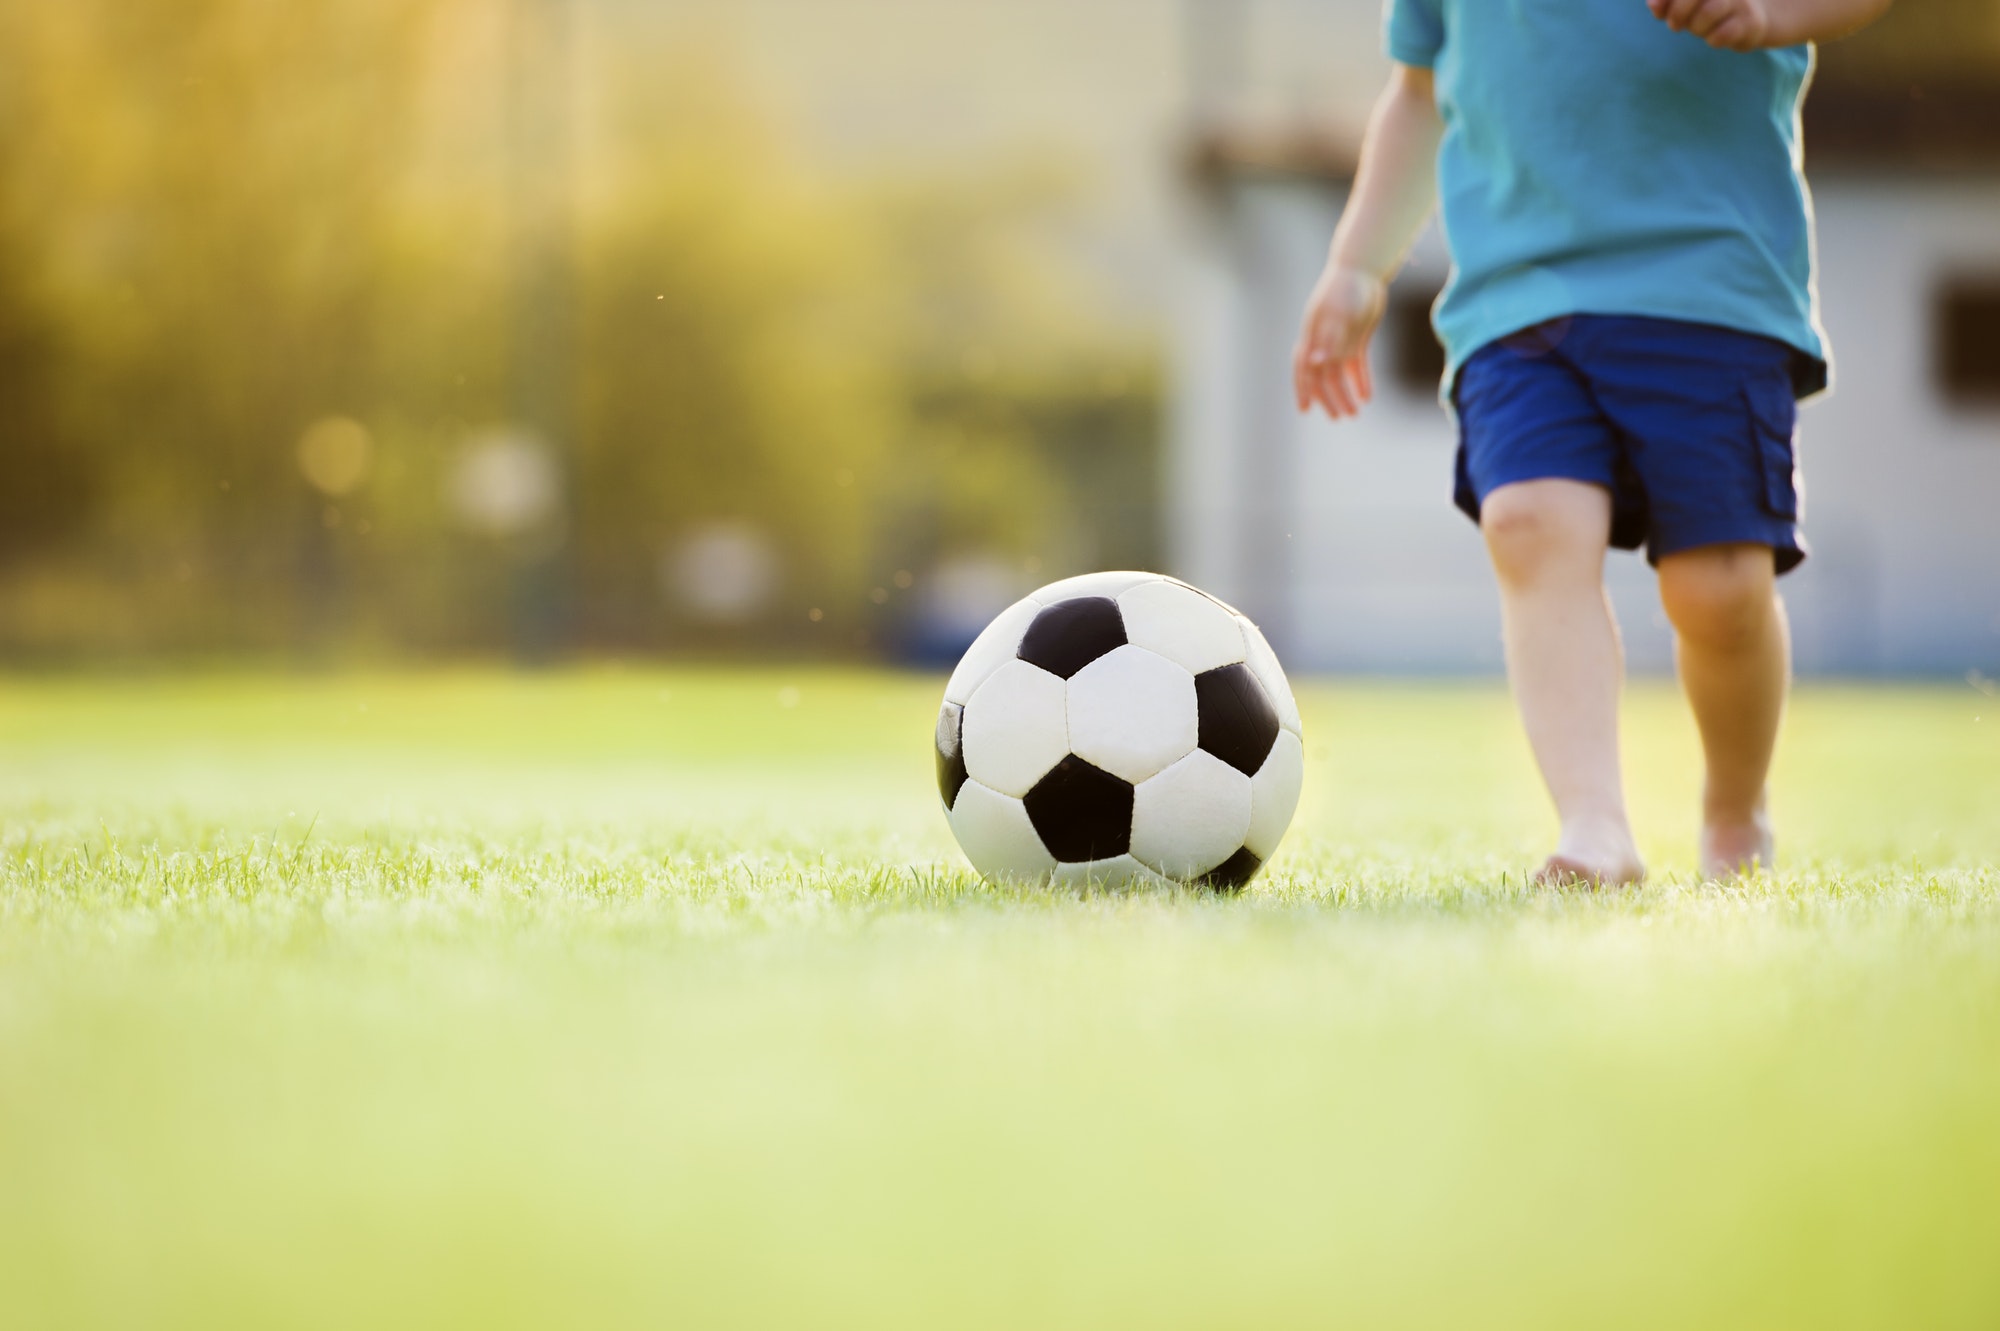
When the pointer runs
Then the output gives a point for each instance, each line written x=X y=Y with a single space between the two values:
x=356 y=330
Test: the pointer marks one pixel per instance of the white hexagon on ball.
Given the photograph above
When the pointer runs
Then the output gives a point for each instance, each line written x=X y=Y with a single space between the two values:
x=996 y=835
x=1132 y=713
x=994 y=647
x=1191 y=817
x=1118 y=871
x=1016 y=728
x=1182 y=625
x=1274 y=795
x=1264 y=665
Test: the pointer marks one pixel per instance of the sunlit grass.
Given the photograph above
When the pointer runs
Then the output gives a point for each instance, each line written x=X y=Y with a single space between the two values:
x=661 y=998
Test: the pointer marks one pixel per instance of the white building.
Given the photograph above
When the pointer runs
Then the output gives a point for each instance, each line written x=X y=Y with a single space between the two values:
x=1343 y=540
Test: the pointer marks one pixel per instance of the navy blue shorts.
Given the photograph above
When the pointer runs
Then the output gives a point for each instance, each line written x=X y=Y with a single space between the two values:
x=1688 y=425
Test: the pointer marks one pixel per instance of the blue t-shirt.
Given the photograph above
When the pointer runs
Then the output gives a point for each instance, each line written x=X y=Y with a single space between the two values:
x=1596 y=162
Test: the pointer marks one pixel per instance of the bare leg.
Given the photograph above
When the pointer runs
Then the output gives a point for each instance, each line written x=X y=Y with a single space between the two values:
x=1547 y=539
x=1735 y=662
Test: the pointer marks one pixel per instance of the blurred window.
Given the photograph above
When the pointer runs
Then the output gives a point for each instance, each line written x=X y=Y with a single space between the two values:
x=1968 y=341
x=1416 y=360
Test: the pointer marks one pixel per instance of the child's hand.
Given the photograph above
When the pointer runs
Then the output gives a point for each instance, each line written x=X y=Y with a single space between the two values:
x=1330 y=363
x=1727 y=25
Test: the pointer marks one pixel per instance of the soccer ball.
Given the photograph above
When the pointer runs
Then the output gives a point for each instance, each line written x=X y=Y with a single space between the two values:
x=1119 y=726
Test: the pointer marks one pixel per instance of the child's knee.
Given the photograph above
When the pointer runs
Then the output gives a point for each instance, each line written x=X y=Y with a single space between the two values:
x=1535 y=527
x=1720 y=595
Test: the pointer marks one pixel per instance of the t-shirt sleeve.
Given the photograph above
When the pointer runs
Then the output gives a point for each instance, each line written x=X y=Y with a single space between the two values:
x=1413 y=31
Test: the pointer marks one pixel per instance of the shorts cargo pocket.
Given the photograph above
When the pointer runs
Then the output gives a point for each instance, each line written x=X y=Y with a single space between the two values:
x=1774 y=419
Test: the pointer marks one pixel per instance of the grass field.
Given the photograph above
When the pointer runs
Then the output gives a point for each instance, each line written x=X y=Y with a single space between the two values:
x=641 y=998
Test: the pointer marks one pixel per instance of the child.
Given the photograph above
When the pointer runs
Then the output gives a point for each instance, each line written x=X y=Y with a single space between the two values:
x=1629 y=323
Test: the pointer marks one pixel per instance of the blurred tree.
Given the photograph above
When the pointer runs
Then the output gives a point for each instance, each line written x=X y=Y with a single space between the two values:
x=46 y=481
x=1916 y=88
x=254 y=347
x=205 y=186
x=877 y=382
x=1036 y=423
x=1921 y=39
x=725 y=378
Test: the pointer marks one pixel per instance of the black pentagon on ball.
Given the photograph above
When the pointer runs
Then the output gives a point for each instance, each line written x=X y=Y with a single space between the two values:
x=1069 y=635
x=1081 y=813
x=1237 y=722
x=1234 y=872
x=950 y=752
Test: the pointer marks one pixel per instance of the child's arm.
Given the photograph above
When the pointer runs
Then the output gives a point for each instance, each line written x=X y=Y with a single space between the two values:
x=1747 y=25
x=1395 y=188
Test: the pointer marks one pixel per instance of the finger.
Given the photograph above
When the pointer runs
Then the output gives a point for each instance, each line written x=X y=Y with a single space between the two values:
x=1312 y=370
x=1325 y=403
x=1315 y=387
x=1364 y=379
x=1307 y=358
x=1688 y=11
x=1735 y=33
x=1675 y=13
x=1334 y=391
x=1350 y=385
x=1708 y=15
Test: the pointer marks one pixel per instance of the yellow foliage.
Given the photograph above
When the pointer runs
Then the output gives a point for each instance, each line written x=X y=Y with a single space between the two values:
x=270 y=274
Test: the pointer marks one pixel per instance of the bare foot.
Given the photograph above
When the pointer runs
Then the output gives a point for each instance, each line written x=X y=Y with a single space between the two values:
x=1599 y=854
x=1561 y=871
x=1731 y=849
